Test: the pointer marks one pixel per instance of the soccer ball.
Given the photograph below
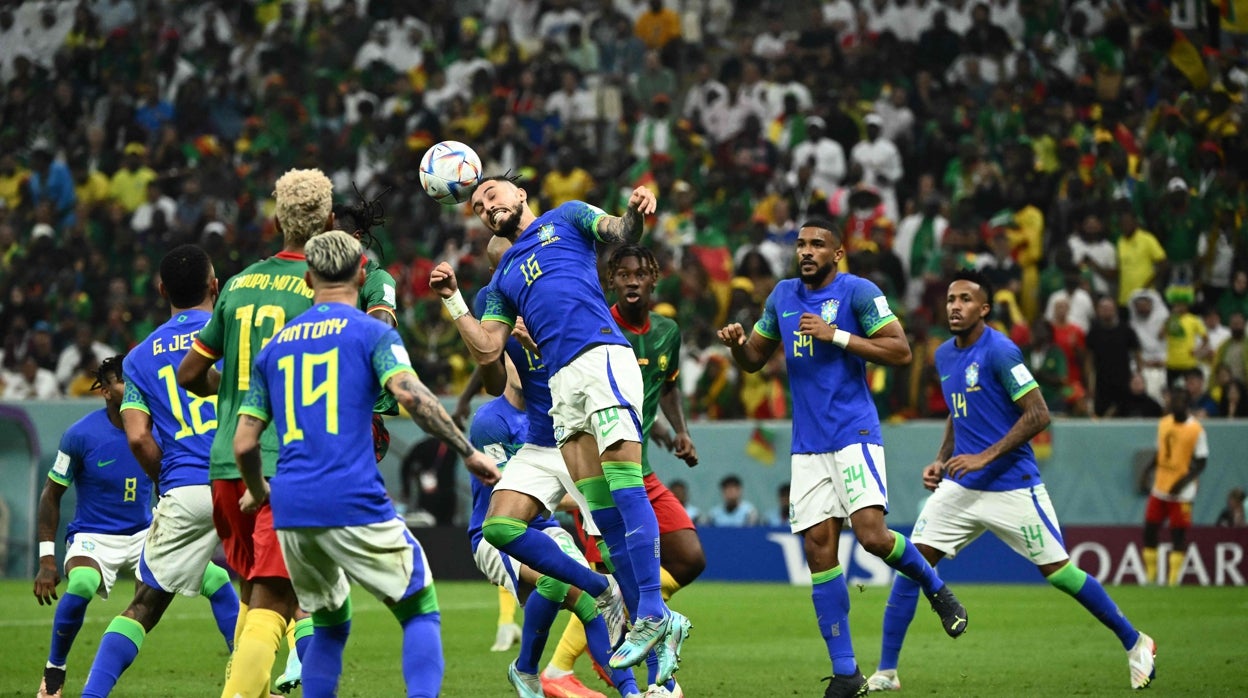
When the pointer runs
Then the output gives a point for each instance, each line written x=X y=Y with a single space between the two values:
x=449 y=172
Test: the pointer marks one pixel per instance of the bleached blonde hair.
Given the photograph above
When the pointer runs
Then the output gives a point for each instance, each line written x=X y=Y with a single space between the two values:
x=304 y=200
x=334 y=256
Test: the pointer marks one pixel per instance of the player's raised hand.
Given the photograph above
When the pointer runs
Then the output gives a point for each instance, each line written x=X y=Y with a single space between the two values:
x=685 y=450
x=732 y=335
x=46 y=581
x=250 y=503
x=482 y=467
x=442 y=279
x=643 y=200
x=933 y=474
x=521 y=333
x=812 y=325
x=958 y=466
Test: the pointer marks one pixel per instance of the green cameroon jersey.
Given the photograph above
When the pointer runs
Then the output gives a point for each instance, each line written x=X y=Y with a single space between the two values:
x=657 y=346
x=253 y=307
x=378 y=293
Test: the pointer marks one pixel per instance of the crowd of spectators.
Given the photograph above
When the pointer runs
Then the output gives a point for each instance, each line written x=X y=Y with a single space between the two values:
x=1088 y=155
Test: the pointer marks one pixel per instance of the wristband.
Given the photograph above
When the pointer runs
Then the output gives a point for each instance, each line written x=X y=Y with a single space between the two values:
x=47 y=548
x=456 y=306
x=841 y=338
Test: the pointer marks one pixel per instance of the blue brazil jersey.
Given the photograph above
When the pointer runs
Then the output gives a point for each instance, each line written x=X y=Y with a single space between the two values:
x=183 y=424
x=114 y=494
x=498 y=430
x=832 y=405
x=550 y=278
x=981 y=384
x=316 y=381
x=534 y=381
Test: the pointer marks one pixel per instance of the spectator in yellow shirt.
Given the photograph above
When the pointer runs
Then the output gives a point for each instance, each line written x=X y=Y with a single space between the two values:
x=129 y=185
x=1141 y=258
x=11 y=177
x=1185 y=334
x=567 y=182
x=91 y=186
x=658 y=26
x=1026 y=236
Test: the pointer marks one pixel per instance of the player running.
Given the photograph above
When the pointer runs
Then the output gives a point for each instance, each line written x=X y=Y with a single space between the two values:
x=316 y=381
x=252 y=309
x=1182 y=453
x=838 y=456
x=550 y=277
x=170 y=434
x=985 y=478
x=110 y=521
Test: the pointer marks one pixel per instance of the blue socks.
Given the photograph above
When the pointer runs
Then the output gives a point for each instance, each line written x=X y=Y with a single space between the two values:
x=118 y=648
x=831 y=597
x=539 y=551
x=70 y=611
x=539 y=615
x=599 y=644
x=322 y=665
x=224 y=600
x=422 y=655
x=902 y=602
x=638 y=537
x=1091 y=594
x=906 y=559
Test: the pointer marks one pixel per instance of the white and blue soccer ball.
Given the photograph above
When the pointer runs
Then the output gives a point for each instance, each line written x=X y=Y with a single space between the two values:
x=449 y=172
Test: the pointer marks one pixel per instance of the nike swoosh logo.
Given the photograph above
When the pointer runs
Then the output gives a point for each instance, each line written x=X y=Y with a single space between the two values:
x=633 y=532
x=856 y=497
x=789 y=313
x=1034 y=553
x=944 y=378
x=105 y=463
x=508 y=267
x=606 y=430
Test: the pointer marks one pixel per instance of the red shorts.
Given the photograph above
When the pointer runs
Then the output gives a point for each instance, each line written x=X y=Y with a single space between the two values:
x=249 y=540
x=668 y=510
x=1158 y=510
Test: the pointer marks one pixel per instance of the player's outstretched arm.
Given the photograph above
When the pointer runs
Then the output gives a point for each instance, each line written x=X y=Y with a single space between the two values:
x=751 y=353
x=49 y=519
x=672 y=403
x=197 y=376
x=430 y=416
x=484 y=341
x=1033 y=420
x=138 y=425
x=630 y=226
x=250 y=465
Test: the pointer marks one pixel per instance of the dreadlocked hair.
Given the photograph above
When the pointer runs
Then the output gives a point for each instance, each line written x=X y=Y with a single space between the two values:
x=108 y=367
x=362 y=217
x=644 y=256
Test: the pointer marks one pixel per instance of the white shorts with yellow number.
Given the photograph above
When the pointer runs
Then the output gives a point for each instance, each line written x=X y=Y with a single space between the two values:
x=1023 y=519
x=600 y=393
x=834 y=485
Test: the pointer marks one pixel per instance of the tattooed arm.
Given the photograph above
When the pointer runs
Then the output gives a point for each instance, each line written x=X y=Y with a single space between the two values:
x=628 y=228
x=429 y=415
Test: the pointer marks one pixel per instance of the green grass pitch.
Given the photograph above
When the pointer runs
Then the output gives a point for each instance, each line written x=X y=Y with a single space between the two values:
x=748 y=640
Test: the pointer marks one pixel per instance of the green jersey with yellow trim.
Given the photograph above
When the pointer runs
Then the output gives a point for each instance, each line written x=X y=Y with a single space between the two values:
x=657 y=346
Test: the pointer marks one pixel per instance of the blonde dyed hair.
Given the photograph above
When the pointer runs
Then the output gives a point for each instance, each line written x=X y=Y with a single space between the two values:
x=334 y=256
x=304 y=201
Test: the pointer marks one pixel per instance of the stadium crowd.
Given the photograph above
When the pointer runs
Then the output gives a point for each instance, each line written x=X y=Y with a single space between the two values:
x=1087 y=155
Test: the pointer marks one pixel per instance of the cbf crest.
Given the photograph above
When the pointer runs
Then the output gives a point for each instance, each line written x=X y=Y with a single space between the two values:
x=972 y=375
x=828 y=311
x=546 y=234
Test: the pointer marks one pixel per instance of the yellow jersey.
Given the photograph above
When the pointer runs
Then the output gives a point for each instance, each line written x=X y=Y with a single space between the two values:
x=1178 y=443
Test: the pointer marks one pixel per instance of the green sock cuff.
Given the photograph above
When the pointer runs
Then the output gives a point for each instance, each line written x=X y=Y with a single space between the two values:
x=421 y=603
x=83 y=581
x=596 y=492
x=584 y=608
x=622 y=474
x=1069 y=579
x=899 y=547
x=501 y=530
x=215 y=577
x=605 y=552
x=552 y=589
x=328 y=619
x=304 y=628
x=129 y=627
x=826 y=576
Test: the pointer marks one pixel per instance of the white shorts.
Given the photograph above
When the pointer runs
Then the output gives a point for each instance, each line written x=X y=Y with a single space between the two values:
x=112 y=553
x=384 y=558
x=180 y=542
x=541 y=473
x=1023 y=519
x=834 y=485
x=599 y=393
x=504 y=570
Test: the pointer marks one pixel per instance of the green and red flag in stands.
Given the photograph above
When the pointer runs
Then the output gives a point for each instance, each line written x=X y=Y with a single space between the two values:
x=762 y=445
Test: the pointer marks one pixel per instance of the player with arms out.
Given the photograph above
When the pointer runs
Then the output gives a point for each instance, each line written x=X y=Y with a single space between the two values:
x=316 y=382
x=838 y=454
x=1182 y=453
x=985 y=478
x=110 y=520
x=170 y=434
x=252 y=309
x=549 y=277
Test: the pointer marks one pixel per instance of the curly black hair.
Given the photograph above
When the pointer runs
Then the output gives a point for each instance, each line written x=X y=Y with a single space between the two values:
x=110 y=367
x=644 y=256
x=360 y=218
